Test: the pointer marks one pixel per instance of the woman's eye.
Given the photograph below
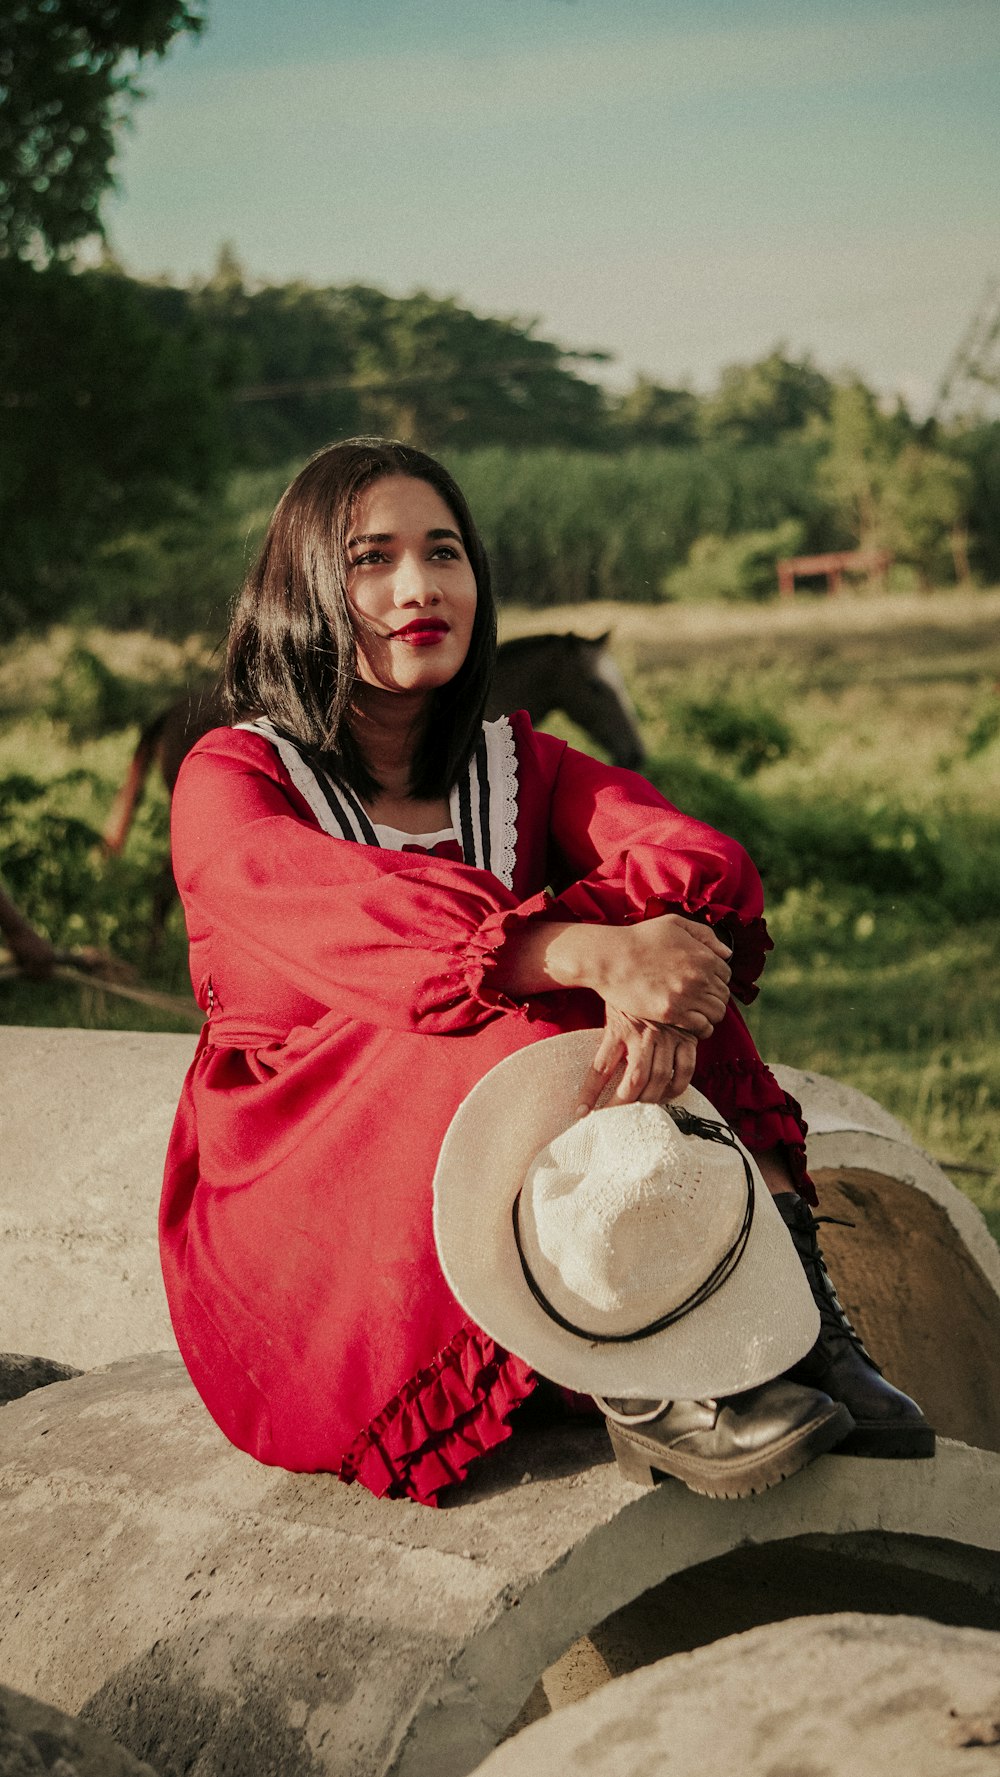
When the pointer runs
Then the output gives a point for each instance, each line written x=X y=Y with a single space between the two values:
x=446 y=550
x=370 y=555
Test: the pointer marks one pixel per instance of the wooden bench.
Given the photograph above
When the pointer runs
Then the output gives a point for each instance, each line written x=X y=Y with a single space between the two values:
x=834 y=565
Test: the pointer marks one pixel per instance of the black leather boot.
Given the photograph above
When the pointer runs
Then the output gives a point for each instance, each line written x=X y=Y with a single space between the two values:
x=886 y=1421
x=730 y=1447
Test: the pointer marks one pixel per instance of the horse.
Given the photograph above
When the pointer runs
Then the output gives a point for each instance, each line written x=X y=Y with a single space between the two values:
x=575 y=674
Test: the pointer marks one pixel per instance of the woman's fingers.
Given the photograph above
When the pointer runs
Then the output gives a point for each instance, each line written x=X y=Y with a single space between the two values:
x=659 y=1062
x=662 y=1072
x=685 y=1058
x=608 y=1056
x=706 y=936
x=640 y=1051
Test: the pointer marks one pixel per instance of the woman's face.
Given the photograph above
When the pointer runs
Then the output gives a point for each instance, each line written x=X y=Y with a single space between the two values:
x=410 y=582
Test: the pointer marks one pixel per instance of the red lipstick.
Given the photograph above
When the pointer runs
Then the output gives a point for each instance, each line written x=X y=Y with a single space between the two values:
x=423 y=632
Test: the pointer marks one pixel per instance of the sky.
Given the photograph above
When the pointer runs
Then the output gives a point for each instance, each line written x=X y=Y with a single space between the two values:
x=682 y=183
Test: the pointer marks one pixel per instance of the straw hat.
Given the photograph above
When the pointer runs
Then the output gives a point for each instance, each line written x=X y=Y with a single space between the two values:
x=632 y=1252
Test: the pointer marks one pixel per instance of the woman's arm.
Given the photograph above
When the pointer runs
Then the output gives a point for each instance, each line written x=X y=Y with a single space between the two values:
x=665 y=971
x=630 y=854
x=664 y=984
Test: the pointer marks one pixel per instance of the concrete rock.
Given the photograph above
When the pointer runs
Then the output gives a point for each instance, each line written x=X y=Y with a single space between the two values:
x=19 y=1375
x=916 y=1266
x=836 y=1696
x=84 y=1123
x=35 y=1738
x=83 y=1130
x=848 y=1129
x=214 y=1614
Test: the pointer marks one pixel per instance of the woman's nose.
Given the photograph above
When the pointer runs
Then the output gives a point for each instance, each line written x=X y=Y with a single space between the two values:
x=415 y=583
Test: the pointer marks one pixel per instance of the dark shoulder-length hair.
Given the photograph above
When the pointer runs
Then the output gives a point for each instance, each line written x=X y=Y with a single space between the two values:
x=292 y=652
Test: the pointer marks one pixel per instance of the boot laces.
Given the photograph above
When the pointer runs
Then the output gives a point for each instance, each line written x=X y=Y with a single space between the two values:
x=832 y=1313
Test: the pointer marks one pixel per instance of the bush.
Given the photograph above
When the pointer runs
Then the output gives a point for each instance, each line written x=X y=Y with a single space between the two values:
x=738 y=567
x=87 y=699
x=567 y=526
x=746 y=735
x=55 y=870
x=886 y=852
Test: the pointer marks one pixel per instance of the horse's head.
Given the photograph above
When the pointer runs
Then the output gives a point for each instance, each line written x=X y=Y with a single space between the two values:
x=600 y=702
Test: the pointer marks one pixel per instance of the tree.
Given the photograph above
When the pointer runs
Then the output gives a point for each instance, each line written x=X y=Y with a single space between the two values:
x=67 y=85
x=978 y=449
x=856 y=469
x=756 y=403
x=431 y=371
x=109 y=423
x=926 y=510
x=300 y=365
x=650 y=414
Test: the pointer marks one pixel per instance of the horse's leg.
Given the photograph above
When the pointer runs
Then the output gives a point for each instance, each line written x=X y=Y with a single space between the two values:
x=184 y=723
x=122 y=813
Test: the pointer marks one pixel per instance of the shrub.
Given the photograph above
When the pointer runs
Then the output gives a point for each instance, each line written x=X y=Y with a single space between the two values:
x=89 y=700
x=737 y=567
x=56 y=872
x=746 y=735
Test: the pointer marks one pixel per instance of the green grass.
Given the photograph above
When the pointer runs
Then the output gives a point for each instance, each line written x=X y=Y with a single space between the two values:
x=874 y=822
x=877 y=833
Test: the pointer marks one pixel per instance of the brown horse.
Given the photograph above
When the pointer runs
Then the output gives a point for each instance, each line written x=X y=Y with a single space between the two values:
x=572 y=673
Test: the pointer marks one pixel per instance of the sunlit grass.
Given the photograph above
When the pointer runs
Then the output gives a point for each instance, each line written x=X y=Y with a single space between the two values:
x=890 y=704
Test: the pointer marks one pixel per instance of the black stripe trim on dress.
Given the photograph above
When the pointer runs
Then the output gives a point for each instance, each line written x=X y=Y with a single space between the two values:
x=332 y=800
x=370 y=835
x=465 y=819
x=482 y=770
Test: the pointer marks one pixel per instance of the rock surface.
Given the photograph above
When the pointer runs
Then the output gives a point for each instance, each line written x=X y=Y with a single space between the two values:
x=19 y=1375
x=35 y=1739
x=836 y=1696
x=84 y=1122
x=218 y=1616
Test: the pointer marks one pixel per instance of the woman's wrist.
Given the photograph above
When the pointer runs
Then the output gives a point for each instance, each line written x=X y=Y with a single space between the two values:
x=548 y=955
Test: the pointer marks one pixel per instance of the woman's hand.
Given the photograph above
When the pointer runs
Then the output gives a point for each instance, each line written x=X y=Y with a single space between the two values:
x=665 y=983
x=666 y=971
x=659 y=1062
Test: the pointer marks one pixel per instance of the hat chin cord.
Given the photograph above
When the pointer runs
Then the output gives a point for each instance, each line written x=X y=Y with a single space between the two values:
x=642 y=1416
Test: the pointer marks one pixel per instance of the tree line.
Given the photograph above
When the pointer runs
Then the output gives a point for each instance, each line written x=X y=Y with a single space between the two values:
x=127 y=407
x=143 y=423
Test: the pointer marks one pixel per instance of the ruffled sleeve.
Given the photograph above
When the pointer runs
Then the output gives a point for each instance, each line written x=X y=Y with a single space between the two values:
x=634 y=855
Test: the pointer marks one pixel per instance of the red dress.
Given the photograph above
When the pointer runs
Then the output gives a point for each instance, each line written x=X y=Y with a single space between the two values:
x=350 y=1010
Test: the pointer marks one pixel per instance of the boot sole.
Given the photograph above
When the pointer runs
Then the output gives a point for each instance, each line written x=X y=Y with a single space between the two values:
x=642 y=1460
x=892 y=1442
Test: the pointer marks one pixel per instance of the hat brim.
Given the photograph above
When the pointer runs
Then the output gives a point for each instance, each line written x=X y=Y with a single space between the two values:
x=758 y=1324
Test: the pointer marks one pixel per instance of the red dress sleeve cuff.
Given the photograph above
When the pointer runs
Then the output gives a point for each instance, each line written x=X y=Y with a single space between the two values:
x=483 y=948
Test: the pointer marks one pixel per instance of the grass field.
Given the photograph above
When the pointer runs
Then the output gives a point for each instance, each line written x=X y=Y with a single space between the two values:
x=853 y=744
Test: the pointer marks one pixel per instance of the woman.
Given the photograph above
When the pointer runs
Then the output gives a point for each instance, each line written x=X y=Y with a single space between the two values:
x=384 y=898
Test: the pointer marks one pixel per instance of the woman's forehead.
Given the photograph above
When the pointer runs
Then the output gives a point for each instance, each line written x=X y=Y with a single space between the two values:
x=397 y=503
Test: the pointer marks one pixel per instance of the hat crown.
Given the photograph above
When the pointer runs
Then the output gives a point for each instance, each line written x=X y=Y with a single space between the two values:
x=623 y=1216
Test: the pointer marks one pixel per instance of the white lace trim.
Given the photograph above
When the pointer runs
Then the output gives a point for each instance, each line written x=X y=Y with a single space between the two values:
x=301 y=774
x=501 y=771
x=501 y=765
